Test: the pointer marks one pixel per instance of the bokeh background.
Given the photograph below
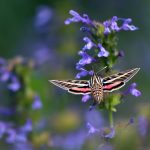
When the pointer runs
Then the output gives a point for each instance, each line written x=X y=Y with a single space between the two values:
x=35 y=29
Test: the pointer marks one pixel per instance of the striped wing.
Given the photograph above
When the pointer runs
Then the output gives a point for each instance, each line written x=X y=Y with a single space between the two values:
x=116 y=81
x=73 y=86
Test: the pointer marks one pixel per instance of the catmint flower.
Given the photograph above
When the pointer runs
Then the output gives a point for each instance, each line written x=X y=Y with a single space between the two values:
x=6 y=111
x=83 y=73
x=95 y=118
x=3 y=128
x=42 y=54
x=4 y=75
x=107 y=133
x=89 y=43
x=85 y=98
x=112 y=25
x=91 y=129
x=43 y=16
x=131 y=121
x=126 y=25
x=86 y=59
x=102 y=52
x=27 y=127
x=143 y=125
x=132 y=89
x=14 y=85
x=37 y=104
x=77 y=18
x=11 y=136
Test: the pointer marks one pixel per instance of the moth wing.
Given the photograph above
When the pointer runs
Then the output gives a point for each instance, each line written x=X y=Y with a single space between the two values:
x=118 y=80
x=73 y=86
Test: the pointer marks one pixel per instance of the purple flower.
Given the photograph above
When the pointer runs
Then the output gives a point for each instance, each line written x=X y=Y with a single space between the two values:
x=126 y=25
x=4 y=75
x=89 y=43
x=107 y=133
x=14 y=136
x=43 y=16
x=83 y=73
x=11 y=138
x=132 y=89
x=85 y=98
x=77 y=18
x=131 y=121
x=103 y=52
x=86 y=59
x=14 y=85
x=143 y=125
x=37 y=104
x=6 y=111
x=91 y=129
x=3 y=128
x=95 y=118
x=2 y=61
x=112 y=25
x=79 y=66
x=27 y=127
x=42 y=54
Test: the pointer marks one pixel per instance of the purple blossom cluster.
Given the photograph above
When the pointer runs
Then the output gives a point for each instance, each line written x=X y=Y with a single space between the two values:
x=96 y=46
x=13 y=134
x=8 y=76
x=107 y=27
x=15 y=82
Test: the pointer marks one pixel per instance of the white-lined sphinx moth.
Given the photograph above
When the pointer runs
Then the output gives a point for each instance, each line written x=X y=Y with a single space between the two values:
x=97 y=85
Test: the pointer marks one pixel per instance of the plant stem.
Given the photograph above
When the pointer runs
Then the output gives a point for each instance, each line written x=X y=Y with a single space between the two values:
x=111 y=120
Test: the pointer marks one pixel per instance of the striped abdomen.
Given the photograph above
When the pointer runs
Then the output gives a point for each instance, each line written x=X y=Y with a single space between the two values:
x=97 y=88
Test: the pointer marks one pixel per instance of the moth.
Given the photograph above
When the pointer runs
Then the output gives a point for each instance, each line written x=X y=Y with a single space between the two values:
x=97 y=85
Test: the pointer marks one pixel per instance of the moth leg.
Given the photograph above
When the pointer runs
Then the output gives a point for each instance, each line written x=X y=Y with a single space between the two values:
x=91 y=107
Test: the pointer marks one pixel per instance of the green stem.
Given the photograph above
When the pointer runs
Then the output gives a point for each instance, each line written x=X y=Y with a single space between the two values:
x=111 y=120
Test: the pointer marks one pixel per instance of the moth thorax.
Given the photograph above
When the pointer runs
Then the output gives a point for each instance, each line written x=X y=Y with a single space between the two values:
x=97 y=88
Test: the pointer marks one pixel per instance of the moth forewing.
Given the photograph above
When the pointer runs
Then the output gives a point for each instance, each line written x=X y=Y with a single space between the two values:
x=73 y=86
x=131 y=74
x=59 y=84
x=124 y=76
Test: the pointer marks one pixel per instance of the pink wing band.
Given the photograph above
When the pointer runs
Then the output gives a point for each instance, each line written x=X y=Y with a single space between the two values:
x=113 y=86
x=78 y=90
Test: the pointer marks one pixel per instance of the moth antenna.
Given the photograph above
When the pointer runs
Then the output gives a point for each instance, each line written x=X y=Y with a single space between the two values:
x=93 y=70
x=101 y=69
